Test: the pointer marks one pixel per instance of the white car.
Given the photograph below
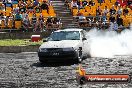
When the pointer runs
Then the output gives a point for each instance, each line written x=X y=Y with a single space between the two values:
x=63 y=45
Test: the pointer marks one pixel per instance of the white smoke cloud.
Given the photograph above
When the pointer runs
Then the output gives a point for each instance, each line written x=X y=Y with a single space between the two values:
x=109 y=43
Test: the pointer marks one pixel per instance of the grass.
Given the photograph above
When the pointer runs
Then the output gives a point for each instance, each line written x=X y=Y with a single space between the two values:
x=18 y=42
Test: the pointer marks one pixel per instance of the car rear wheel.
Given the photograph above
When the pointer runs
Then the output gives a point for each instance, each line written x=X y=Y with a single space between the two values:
x=79 y=60
x=80 y=57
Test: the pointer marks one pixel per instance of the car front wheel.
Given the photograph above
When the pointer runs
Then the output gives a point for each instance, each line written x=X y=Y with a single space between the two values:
x=42 y=60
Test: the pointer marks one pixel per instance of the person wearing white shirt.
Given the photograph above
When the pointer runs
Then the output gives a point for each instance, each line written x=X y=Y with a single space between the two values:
x=106 y=11
x=119 y=11
x=115 y=26
x=74 y=4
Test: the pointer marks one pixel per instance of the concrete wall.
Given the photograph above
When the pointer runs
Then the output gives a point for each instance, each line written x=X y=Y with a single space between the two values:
x=18 y=49
x=22 y=35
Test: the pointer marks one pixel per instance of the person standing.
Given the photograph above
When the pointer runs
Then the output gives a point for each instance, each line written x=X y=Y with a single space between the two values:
x=34 y=22
x=41 y=22
x=26 y=23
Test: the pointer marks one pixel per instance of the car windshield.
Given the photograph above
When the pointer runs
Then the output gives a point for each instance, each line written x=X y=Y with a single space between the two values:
x=64 y=35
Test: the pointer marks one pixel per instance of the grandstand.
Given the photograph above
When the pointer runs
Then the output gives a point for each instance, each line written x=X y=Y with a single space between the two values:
x=99 y=13
x=28 y=15
x=43 y=15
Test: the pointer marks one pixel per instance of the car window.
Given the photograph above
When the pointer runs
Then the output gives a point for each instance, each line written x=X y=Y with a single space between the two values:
x=72 y=35
x=65 y=35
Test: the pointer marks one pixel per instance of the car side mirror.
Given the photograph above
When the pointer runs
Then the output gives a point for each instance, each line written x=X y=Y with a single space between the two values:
x=45 y=40
x=84 y=39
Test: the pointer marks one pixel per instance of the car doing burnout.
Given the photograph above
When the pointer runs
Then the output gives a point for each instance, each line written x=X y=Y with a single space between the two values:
x=64 y=44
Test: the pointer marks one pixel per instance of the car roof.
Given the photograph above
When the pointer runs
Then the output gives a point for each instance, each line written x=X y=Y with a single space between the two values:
x=70 y=29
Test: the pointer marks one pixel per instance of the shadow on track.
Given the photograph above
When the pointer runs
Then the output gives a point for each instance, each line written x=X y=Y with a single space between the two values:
x=54 y=64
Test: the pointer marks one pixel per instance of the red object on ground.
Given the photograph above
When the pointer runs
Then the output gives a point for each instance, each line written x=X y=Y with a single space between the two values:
x=35 y=38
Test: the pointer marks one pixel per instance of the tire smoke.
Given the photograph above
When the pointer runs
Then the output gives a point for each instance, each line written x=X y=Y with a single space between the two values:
x=107 y=44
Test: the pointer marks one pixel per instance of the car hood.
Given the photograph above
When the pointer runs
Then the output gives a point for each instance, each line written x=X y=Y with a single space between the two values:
x=60 y=44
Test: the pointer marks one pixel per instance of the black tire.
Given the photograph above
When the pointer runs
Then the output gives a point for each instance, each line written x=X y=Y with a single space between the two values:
x=79 y=57
x=79 y=60
x=42 y=60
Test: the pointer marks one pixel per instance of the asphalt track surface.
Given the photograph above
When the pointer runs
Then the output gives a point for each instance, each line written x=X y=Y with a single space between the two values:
x=23 y=70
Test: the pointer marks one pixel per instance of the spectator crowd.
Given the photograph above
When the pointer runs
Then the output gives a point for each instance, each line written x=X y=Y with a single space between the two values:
x=102 y=13
x=28 y=14
x=38 y=15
